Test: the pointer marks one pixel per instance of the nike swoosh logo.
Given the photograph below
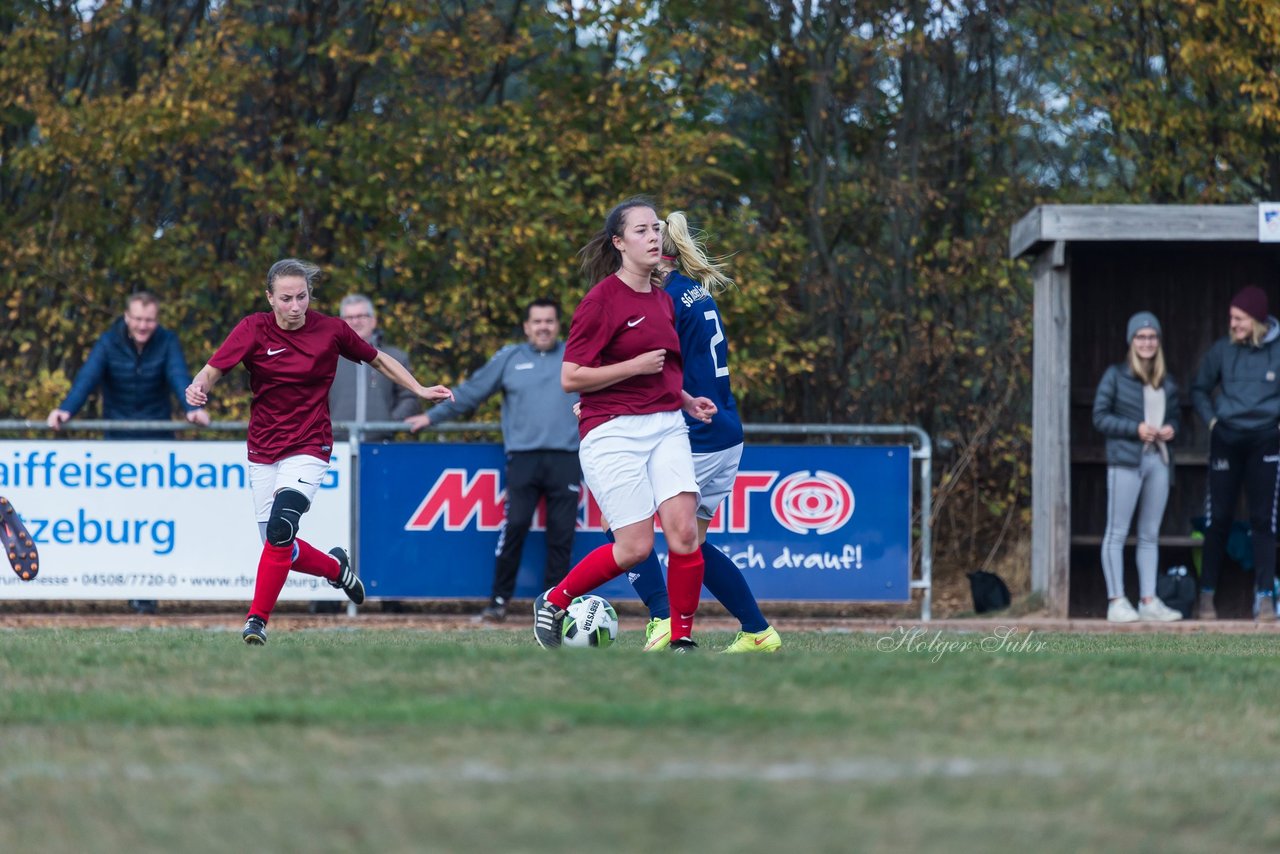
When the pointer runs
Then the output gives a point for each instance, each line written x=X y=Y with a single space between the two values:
x=760 y=641
x=637 y=321
x=271 y=352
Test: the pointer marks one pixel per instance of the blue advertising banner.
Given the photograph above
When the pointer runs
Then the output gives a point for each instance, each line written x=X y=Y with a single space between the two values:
x=802 y=522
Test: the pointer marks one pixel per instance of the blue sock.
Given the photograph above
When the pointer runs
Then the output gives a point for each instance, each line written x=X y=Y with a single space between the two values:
x=649 y=583
x=725 y=582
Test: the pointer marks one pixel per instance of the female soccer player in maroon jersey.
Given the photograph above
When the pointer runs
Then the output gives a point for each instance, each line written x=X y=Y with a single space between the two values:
x=623 y=358
x=291 y=353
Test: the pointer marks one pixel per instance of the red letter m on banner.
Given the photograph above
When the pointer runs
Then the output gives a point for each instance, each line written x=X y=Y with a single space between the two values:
x=458 y=500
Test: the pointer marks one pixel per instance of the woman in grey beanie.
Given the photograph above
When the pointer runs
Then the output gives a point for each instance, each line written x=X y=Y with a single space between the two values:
x=1136 y=408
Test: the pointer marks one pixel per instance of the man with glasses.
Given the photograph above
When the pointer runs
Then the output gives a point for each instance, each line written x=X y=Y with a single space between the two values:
x=384 y=400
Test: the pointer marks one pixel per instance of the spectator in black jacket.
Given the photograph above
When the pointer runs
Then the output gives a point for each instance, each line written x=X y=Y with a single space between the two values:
x=1244 y=367
x=136 y=364
x=1136 y=408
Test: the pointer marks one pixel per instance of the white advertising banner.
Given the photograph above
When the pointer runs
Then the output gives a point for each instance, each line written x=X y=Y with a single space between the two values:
x=1269 y=222
x=154 y=520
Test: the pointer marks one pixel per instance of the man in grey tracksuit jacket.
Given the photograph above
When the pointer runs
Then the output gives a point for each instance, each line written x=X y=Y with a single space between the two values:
x=1244 y=442
x=540 y=436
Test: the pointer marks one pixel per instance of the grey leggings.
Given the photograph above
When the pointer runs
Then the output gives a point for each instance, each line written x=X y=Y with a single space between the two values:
x=1147 y=489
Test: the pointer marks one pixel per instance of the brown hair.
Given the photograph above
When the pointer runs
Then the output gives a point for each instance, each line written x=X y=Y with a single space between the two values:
x=600 y=258
x=291 y=267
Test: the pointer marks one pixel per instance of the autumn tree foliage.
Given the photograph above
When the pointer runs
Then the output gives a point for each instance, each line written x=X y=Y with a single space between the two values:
x=862 y=161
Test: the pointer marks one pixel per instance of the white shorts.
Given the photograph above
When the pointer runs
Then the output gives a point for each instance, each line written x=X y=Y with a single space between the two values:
x=302 y=473
x=635 y=462
x=716 y=471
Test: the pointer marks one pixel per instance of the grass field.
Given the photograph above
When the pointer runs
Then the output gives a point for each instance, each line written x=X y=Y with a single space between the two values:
x=389 y=741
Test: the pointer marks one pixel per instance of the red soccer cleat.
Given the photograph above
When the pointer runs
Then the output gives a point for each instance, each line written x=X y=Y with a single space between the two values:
x=17 y=542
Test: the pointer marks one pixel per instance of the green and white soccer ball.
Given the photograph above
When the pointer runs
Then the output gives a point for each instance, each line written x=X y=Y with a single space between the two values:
x=590 y=621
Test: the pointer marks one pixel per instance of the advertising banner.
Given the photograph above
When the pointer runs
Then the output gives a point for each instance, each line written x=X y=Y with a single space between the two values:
x=802 y=522
x=153 y=520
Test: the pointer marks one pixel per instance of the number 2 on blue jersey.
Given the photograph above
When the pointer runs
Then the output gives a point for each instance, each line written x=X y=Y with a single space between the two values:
x=716 y=341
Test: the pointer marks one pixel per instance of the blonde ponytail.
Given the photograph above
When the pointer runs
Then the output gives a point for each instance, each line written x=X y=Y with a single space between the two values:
x=683 y=244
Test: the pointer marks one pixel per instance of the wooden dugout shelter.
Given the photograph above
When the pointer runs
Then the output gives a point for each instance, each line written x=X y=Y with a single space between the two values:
x=1093 y=267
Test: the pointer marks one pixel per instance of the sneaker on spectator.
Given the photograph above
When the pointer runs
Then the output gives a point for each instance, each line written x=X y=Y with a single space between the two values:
x=548 y=622
x=1264 y=607
x=255 y=631
x=765 y=641
x=347 y=581
x=1121 y=611
x=657 y=634
x=1156 y=611
x=494 y=612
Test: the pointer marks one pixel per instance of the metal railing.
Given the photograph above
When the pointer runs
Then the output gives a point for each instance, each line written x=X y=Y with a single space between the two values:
x=922 y=453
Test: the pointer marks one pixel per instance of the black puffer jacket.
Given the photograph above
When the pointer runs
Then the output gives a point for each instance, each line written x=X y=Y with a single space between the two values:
x=1118 y=410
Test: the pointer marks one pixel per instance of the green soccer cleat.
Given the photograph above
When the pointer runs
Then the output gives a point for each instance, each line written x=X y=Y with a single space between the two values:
x=657 y=635
x=766 y=641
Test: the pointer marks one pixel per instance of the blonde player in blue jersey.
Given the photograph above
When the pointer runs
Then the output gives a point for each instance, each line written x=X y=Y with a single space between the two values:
x=692 y=279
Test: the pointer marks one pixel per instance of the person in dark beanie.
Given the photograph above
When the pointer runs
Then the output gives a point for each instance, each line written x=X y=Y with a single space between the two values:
x=1136 y=408
x=1244 y=441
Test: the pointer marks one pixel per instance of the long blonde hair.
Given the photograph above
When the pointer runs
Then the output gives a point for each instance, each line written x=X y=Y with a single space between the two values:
x=1259 y=331
x=1149 y=372
x=686 y=246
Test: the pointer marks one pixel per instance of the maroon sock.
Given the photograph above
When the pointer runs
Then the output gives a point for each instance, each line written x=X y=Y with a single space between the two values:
x=684 y=589
x=594 y=569
x=312 y=561
x=273 y=569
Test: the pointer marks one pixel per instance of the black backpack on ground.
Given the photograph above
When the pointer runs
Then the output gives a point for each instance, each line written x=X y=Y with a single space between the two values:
x=1177 y=589
x=990 y=593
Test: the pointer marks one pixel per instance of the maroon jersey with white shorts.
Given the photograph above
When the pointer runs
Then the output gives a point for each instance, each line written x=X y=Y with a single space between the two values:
x=290 y=371
x=612 y=324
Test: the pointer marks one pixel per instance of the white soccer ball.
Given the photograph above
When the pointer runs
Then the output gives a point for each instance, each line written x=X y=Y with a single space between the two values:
x=590 y=621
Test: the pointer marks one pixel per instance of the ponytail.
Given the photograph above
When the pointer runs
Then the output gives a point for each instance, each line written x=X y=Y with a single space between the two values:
x=685 y=245
x=600 y=258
